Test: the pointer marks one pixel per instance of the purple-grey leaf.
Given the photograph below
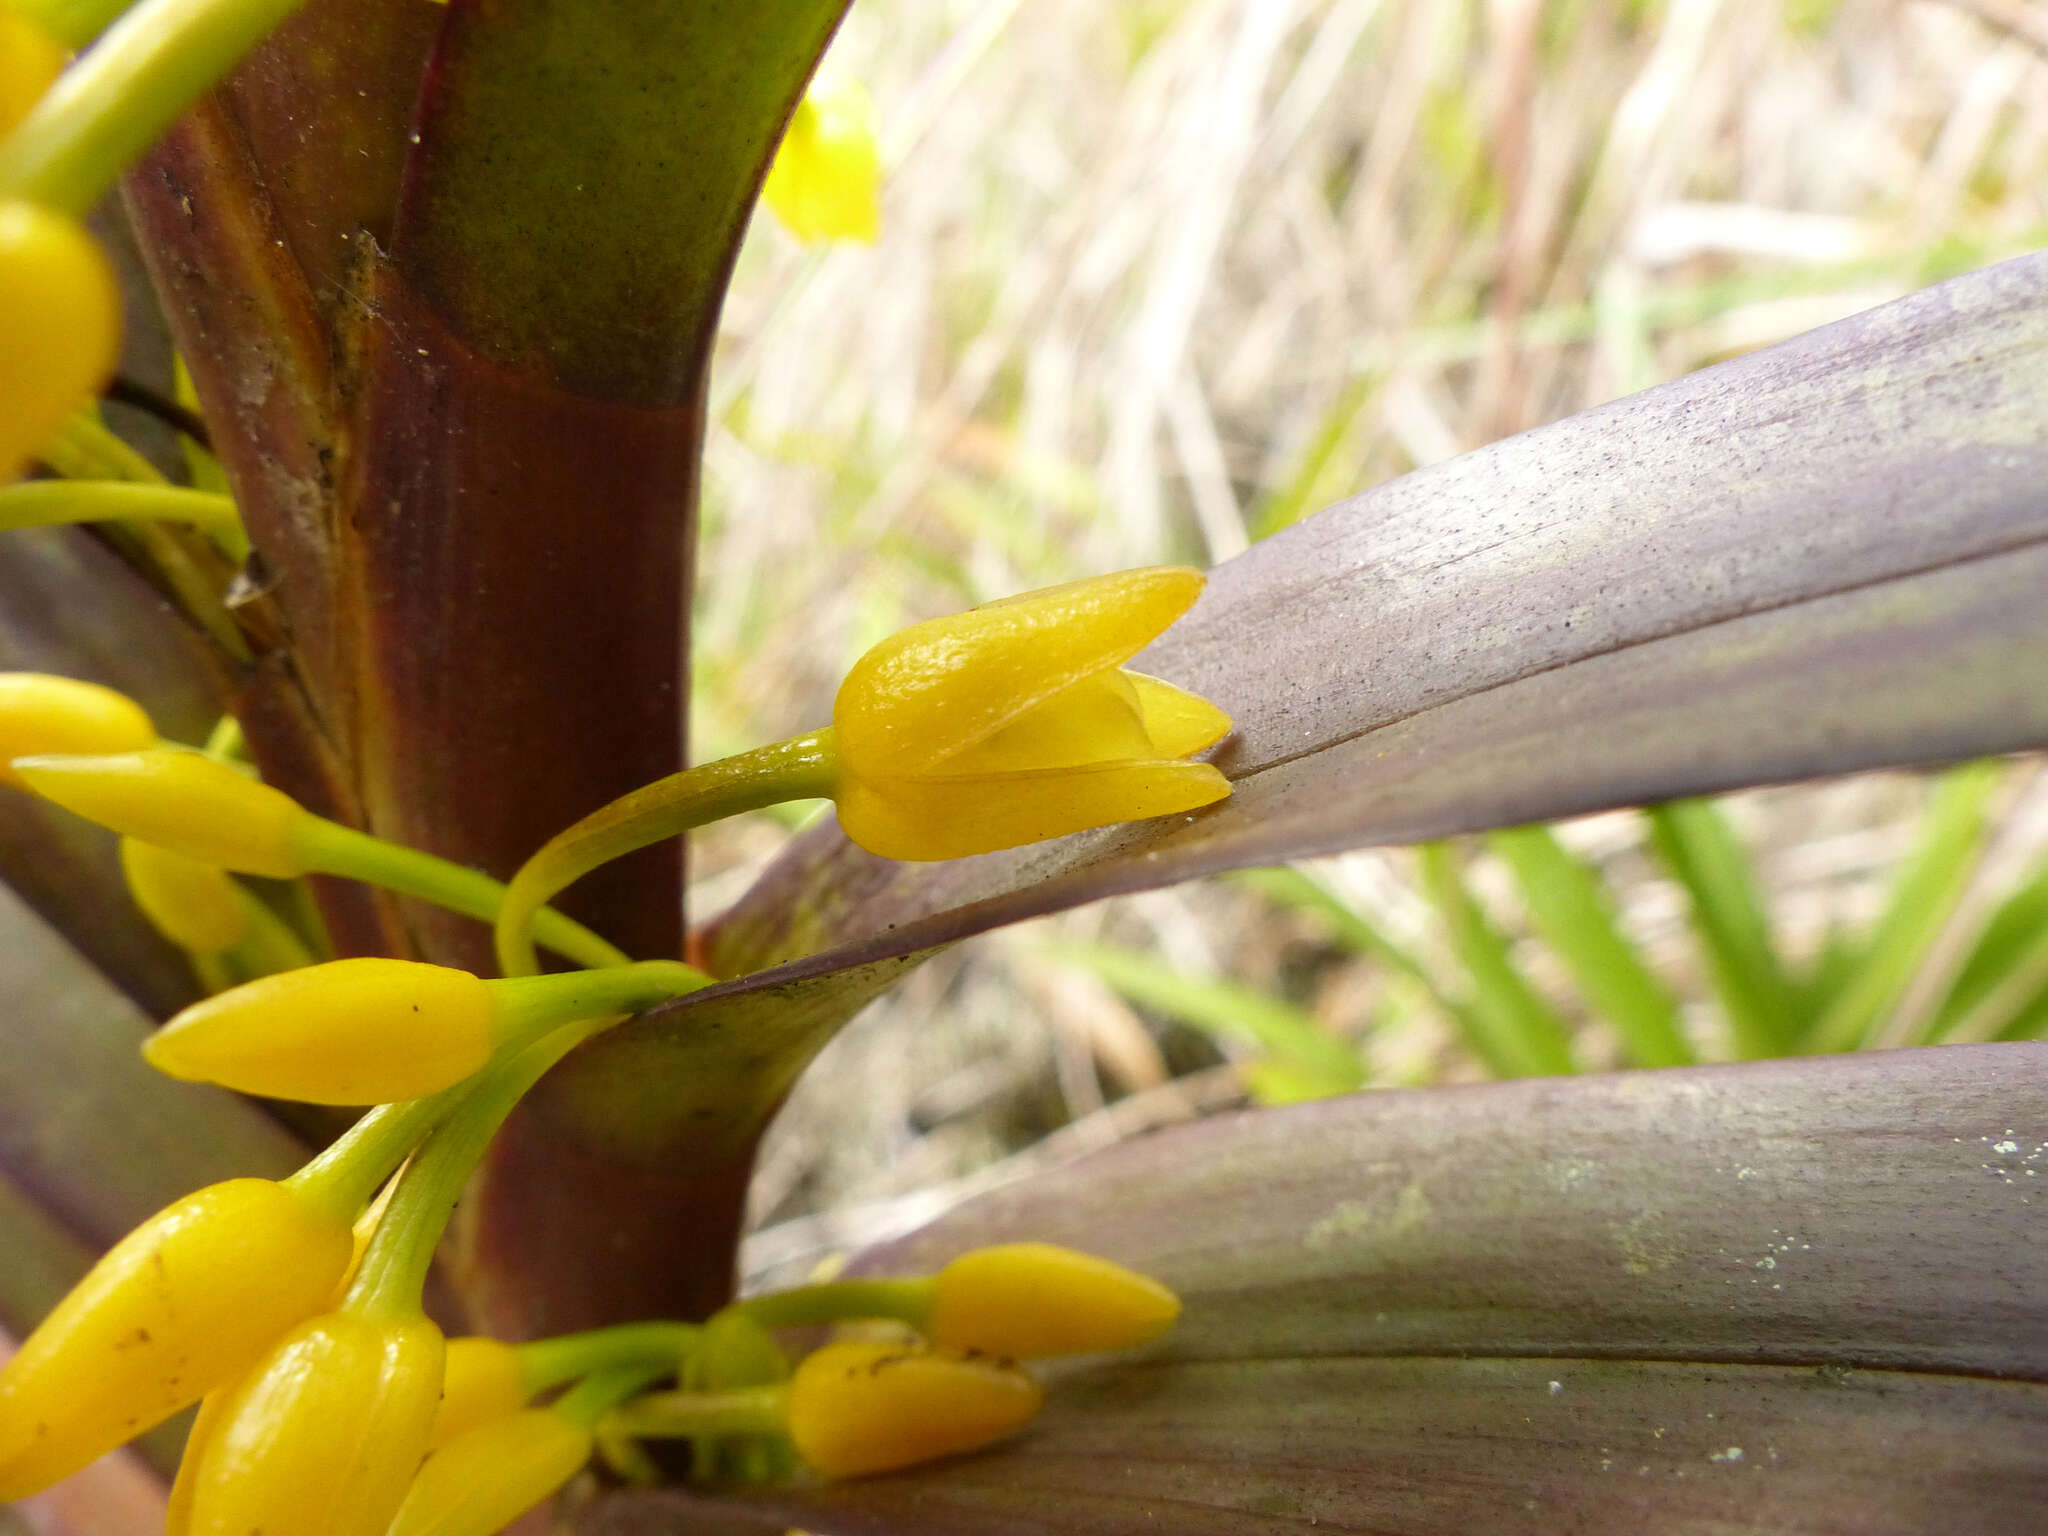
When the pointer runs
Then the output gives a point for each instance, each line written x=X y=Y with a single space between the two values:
x=1782 y=1296
x=87 y=1130
x=1816 y=558
x=1820 y=557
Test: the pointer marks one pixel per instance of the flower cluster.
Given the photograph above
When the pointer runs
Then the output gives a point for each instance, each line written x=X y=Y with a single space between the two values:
x=292 y=1310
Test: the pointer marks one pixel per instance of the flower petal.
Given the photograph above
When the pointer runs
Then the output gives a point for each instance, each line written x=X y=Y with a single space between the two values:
x=937 y=688
x=949 y=818
x=1180 y=723
x=1098 y=720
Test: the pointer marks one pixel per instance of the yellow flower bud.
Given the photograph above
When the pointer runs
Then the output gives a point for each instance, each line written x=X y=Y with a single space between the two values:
x=854 y=1409
x=180 y=1305
x=61 y=314
x=826 y=179
x=179 y=800
x=30 y=58
x=323 y=1435
x=481 y=1481
x=1012 y=723
x=348 y=1032
x=192 y=904
x=1031 y=1299
x=40 y=713
x=205 y=1425
x=484 y=1381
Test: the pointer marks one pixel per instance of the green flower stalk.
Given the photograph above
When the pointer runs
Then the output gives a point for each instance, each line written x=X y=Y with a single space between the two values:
x=1008 y=724
x=204 y=808
x=488 y=1379
x=99 y=115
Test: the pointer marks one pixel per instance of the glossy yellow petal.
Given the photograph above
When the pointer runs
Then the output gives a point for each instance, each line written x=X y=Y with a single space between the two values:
x=826 y=179
x=30 y=58
x=937 y=688
x=61 y=314
x=484 y=1381
x=1031 y=1299
x=40 y=713
x=1097 y=720
x=195 y=905
x=180 y=1305
x=205 y=1425
x=855 y=1409
x=951 y=818
x=480 y=1482
x=323 y=1435
x=179 y=800
x=365 y=1031
x=1179 y=723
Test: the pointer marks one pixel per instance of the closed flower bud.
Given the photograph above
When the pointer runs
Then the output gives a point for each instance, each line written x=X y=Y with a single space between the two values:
x=484 y=1381
x=481 y=1481
x=61 y=315
x=373 y=1031
x=1031 y=1299
x=348 y=1032
x=195 y=905
x=826 y=180
x=1012 y=723
x=183 y=1303
x=205 y=1424
x=323 y=1435
x=854 y=1409
x=30 y=59
x=40 y=713
x=179 y=800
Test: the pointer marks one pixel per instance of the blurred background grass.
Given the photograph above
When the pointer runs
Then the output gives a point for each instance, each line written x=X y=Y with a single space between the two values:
x=1157 y=279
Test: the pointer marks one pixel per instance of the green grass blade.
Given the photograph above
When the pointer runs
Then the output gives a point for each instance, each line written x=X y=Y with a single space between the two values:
x=1512 y=1029
x=1570 y=907
x=1302 y=892
x=1923 y=895
x=1297 y=889
x=2001 y=990
x=1839 y=959
x=1293 y=1037
x=1700 y=849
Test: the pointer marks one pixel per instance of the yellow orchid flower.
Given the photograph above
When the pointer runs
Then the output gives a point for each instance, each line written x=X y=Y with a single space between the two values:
x=1013 y=722
x=826 y=180
x=484 y=1379
x=193 y=904
x=481 y=1481
x=1007 y=724
x=1016 y=1301
x=1027 y=1300
x=853 y=1409
x=61 y=314
x=323 y=1435
x=30 y=58
x=44 y=713
x=179 y=1306
x=376 y=1031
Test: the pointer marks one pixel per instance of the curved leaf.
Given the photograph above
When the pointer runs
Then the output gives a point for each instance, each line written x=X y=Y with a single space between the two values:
x=1782 y=1296
x=88 y=1132
x=1816 y=558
